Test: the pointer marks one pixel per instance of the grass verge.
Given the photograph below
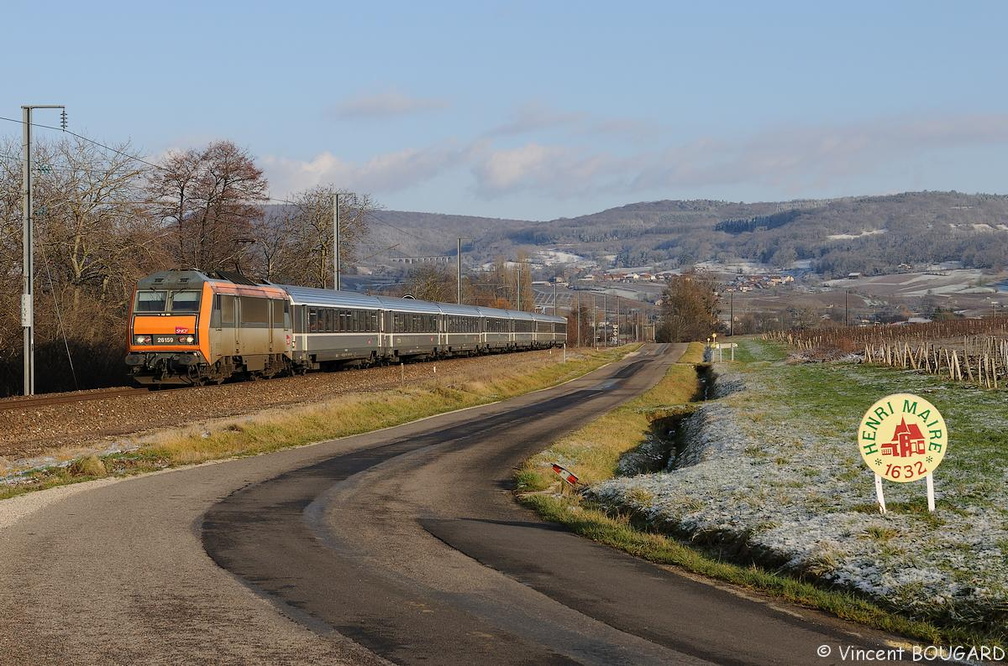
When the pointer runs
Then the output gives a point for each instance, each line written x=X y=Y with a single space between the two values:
x=598 y=446
x=594 y=454
x=342 y=417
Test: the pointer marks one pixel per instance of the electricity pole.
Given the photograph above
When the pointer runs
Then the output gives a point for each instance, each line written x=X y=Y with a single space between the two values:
x=28 y=268
x=336 y=243
x=578 y=317
x=459 y=259
x=519 y=285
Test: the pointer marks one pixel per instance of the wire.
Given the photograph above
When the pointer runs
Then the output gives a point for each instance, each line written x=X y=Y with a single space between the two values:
x=91 y=141
x=369 y=214
x=375 y=218
x=59 y=317
x=383 y=250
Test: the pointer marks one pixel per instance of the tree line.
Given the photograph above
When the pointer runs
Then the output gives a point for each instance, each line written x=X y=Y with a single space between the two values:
x=104 y=217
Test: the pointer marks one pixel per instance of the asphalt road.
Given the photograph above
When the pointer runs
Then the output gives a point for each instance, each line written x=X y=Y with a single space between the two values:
x=403 y=544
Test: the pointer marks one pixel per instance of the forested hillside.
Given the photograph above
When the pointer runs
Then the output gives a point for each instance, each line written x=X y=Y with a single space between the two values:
x=870 y=235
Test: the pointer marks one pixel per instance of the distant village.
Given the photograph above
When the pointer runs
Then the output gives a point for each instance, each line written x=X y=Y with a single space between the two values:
x=741 y=283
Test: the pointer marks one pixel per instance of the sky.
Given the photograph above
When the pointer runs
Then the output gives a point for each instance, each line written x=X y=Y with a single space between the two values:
x=535 y=110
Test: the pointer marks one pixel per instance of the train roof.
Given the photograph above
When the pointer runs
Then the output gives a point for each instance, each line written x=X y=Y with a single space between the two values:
x=330 y=297
x=458 y=309
x=172 y=277
x=410 y=305
x=344 y=299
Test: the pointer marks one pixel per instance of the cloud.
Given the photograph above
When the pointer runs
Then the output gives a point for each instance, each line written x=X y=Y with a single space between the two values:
x=553 y=170
x=384 y=105
x=534 y=117
x=813 y=157
x=389 y=172
x=786 y=160
x=824 y=160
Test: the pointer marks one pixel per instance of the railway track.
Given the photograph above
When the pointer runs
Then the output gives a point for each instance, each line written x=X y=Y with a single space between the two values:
x=49 y=399
x=40 y=425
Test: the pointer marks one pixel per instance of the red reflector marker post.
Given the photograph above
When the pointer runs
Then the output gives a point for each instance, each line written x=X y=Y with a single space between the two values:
x=565 y=474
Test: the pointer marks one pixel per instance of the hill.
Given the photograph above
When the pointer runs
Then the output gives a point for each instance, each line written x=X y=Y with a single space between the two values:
x=834 y=237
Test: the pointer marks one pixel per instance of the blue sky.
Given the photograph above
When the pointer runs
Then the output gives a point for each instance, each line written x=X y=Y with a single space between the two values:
x=537 y=110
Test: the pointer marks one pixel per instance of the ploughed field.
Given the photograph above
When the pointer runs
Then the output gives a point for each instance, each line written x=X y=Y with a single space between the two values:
x=101 y=423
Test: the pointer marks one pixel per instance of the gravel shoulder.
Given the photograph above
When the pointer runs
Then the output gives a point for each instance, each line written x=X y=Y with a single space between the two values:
x=31 y=438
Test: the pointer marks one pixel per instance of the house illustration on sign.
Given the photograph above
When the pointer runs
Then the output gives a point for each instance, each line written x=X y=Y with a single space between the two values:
x=908 y=440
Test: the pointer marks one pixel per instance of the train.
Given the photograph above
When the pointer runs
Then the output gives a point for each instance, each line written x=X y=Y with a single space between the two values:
x=188 y=327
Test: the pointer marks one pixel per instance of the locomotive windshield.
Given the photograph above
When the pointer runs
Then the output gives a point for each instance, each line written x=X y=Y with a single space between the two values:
x=167 y=301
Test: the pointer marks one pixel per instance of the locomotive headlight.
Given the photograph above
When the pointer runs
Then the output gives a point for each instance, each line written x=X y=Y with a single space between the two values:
x=187 y=339
x=142 y=339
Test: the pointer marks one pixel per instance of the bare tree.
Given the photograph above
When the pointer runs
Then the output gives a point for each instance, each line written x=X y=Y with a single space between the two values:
x=310 y=225
x=10 y=265
x=580 y=323
x=10 y=209
x=212 y=198
x=96 y=228
x=506 y=285
x=430 y=283
x=275 y=253
x=689 y=309
x=93 y=240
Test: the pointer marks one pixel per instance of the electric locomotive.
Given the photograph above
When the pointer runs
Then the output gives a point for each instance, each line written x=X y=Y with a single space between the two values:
x=190 y=328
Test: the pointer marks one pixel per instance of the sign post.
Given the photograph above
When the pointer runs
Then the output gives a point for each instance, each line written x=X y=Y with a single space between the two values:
x=903 y=438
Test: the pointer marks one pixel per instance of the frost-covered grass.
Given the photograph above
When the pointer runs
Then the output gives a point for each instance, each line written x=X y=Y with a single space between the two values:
x=772 y=475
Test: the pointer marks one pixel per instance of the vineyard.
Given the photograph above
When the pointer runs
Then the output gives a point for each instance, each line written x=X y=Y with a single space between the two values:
x=969 y=350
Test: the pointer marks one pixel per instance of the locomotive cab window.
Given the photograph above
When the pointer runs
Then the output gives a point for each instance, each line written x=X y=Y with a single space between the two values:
x=150 y=301
x=185 y=301
x=167 y=301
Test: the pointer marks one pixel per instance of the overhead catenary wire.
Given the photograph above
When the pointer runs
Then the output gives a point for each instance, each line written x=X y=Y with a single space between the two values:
x=91 y=141
x=369 y=214
x=59 y=316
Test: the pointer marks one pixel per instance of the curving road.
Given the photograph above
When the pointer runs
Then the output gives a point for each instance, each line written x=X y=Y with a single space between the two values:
x=402 y=545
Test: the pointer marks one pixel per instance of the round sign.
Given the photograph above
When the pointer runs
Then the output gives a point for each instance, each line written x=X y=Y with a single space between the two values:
x=902 y=437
